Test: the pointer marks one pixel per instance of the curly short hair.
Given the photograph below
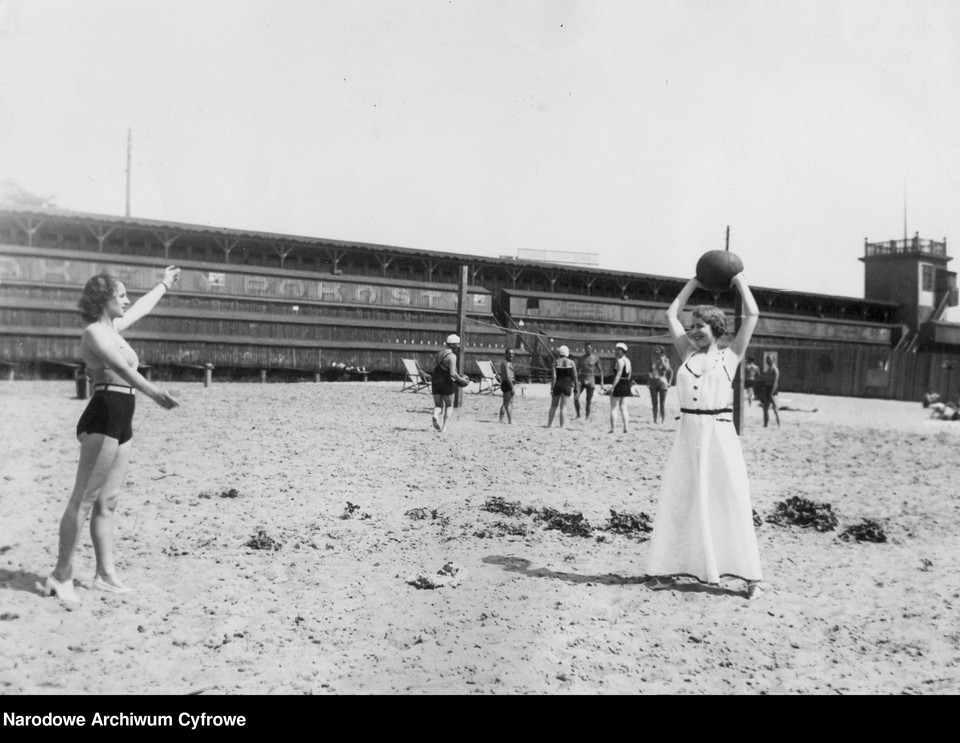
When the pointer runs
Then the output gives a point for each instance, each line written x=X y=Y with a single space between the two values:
x=99 y=290
x=712 y=316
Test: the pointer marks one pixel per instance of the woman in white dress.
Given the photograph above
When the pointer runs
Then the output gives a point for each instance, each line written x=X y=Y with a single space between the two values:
x=704 y=523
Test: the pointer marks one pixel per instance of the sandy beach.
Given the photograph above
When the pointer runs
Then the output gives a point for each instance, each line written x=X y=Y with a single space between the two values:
x=271 y=530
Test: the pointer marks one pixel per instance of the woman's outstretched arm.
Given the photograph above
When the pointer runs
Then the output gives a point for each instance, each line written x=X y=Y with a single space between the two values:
x=143 y=306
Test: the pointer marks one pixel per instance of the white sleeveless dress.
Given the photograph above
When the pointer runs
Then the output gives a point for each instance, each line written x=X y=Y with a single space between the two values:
x=704 y=522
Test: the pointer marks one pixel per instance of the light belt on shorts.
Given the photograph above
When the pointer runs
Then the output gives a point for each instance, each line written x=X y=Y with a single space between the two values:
x=695 y=411
x=113 y=388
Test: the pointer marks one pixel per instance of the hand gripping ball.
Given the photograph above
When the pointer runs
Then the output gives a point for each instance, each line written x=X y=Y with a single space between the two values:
x=716 y=268
x=462 y=382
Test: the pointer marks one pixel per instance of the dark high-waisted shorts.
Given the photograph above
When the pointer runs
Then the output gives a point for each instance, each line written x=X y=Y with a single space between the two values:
x=564 y=386
x=442 y=385
x=109 y=413
x=624 y=388
x=506 y=387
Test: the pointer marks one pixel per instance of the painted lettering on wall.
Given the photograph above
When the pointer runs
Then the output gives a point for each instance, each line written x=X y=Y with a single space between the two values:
x=141 y=278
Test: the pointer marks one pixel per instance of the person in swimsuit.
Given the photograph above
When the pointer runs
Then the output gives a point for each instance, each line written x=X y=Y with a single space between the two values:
x=661 y=376
x=443 y=382
x=507 y=384
x=704 y=523
x=751 y=373
x=589 y=369
x=767 y=388
x=105 y=428
x=564 y=382
x=622 y=388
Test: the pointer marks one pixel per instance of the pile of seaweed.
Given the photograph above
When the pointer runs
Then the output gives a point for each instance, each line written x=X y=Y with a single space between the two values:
x=628 y=523
x=502 y=528
x=505 y=507
x=352 y=511
x=867 y=530
x=800 y=511
x=231 y=493
x=260 y=541
x=572 y=524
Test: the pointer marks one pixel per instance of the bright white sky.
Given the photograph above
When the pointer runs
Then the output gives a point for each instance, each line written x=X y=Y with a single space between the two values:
x=636 y=129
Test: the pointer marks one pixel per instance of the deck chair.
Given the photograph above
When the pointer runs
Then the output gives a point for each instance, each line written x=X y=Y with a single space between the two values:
x=415 y=378
x=489 y=379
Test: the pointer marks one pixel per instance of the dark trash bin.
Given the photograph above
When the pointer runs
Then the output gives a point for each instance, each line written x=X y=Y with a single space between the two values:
x=83 y=385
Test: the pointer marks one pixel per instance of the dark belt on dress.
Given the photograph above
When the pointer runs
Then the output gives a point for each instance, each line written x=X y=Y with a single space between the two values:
x=697 y=411
x=113 y=388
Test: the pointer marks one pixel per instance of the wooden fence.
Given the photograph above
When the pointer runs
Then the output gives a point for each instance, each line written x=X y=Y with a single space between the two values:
x=865 y=372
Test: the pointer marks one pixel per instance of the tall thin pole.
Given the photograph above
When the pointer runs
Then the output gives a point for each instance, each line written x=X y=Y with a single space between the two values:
x=461 y=326
x=904 y=213
x=738 y=376
x=128 y=171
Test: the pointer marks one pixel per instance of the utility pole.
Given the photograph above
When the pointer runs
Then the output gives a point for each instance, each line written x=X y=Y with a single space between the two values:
x=738 y=376
x=461 y=327
x=128 y=171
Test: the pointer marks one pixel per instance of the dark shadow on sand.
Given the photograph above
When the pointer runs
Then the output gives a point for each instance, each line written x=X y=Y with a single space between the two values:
x=522 y=566
x=704 y=588
x=20 y=580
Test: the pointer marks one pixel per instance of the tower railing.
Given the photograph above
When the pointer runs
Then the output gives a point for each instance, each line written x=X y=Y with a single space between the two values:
x=910 y=246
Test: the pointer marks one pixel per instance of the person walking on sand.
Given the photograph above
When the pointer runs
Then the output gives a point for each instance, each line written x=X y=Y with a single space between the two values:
x=621 y=389
x=589 y=369
x=563 y=385
x=105 y=429
x=751 y=373
x=658 y=382
x=768 y=386
x=444 y=381
x=704 y=522
x=508 y=382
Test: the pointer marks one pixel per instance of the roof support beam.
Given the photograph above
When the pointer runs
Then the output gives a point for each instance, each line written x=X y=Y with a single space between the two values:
x=166 y=240
x=226 y=244
x=30 y=228
x=335 y=257
x=101 y=234
x=283 y=251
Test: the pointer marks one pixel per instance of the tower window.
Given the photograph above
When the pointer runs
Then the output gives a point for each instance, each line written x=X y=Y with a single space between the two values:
x=927 y=278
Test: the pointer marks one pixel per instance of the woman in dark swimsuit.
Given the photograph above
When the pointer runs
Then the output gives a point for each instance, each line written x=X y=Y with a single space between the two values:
x=444 y=381
x=622 y=388
x=564 y=374
x=105 y=428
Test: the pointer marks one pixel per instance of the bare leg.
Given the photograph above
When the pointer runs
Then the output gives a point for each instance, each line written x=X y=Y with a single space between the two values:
x=563 y=409
x=97 y=456
x=576 y=402
x=505 y=407
x=102 y=520
x=654 y=402
x=663 y=405
x=624 y=414
x=554 y=402
x=447 y=411
x=437 y=410
x=589 y=399
x=776 y=413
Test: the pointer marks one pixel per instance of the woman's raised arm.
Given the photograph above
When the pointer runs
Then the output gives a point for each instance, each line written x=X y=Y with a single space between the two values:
x=143 y=306
x=751 y=313
x=678 y=334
